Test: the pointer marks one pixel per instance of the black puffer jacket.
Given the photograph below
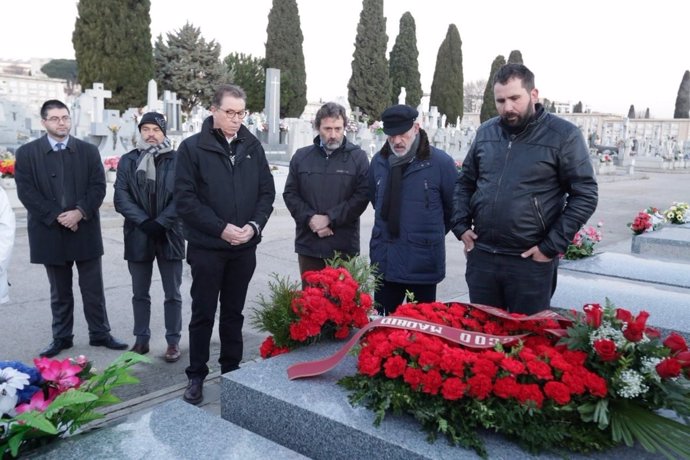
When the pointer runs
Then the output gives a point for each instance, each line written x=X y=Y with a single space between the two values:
x=520 y=190
x=211 y=192
x=132 y=200
x=334 y=185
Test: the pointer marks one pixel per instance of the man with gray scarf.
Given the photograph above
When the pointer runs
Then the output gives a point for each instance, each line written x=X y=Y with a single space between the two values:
x=411 y=188
x=152 y=230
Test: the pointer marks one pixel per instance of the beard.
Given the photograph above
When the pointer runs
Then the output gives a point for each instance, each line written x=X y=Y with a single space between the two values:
x=518 y=120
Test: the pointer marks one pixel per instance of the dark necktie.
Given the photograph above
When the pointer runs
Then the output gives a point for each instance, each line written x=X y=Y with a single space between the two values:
x=59 y=146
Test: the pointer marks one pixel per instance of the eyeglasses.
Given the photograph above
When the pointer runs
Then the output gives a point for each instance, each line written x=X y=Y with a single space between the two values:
x=64 y=119
x=232 y=114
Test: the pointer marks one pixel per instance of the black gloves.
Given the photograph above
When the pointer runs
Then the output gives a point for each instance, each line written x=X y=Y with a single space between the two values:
x=152 y=228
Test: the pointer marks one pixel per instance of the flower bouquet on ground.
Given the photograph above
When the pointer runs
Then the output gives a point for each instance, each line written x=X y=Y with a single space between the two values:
x=589 y=387
x=7 y=166
x=648 y=220
x=55 y=398
x=583 y=243
x=111 y=163
x=677 y=213
x=334 y=301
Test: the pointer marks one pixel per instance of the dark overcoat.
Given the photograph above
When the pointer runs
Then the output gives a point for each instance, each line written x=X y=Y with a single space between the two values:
x=38 y=175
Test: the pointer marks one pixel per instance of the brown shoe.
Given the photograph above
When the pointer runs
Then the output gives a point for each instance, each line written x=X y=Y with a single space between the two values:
x=173 y=353
x=141 y=348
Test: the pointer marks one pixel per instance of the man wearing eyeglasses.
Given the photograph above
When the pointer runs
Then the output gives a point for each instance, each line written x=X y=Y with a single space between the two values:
x=61 y=183
x=224 y=194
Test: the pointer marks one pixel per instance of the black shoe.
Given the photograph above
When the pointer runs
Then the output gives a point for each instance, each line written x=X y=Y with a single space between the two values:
x=141 y=348
x=109 y=342
x=55 y=347
x=194 y=393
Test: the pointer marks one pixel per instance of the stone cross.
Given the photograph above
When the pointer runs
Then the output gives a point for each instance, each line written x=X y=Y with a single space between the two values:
x=402 y=96
x=98 y=95
x=433 y=117
x=357 y=113
x=273 y=105
x=171 y=109
x=152 y=95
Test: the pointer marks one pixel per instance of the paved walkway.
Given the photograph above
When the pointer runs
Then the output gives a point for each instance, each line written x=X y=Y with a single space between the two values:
x=25 y=321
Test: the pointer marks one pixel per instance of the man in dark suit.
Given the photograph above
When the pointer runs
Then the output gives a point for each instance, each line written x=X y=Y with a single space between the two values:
x=61 y=183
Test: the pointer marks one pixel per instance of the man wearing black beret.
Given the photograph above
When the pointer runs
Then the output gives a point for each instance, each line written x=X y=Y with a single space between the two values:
x=411 y=188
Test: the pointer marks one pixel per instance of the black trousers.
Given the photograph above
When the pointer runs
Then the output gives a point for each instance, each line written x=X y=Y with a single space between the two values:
x=217 y=275
x=510 y=282
x=390 y=295
x=93 y=298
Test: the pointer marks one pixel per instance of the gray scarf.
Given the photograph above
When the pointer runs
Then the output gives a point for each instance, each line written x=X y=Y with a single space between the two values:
x=146 y=165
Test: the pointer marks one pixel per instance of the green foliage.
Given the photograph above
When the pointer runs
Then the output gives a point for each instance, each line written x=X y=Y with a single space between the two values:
x=489 y=105
x=404 y=65
x=65 y=69
x=515 y=57
x=190 y=66
x=112 y=45
x=631 y=111
x=369 y=87
x=284 y=52
x=275 y=312
x=682 y=109
x=248 y=72
x=366 y=275
x=70 y=410
x=447 y=85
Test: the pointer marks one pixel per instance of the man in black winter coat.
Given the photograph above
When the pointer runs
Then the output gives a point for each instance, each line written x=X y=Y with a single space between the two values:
x=326 y=191
x=152 y=230
x=526 y=187
x=61 y=183
x=224 y=194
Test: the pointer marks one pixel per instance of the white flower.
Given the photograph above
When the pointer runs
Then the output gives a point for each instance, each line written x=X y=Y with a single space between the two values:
x=649 y=367
x=11 y=380
x=607 y=331
x=632 y=384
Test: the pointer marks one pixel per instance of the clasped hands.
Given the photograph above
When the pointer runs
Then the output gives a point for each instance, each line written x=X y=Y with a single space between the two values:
x=319 y=224
x=70 y=219
x=236 y=235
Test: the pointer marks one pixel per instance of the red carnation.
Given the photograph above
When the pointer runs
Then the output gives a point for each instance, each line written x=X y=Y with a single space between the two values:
x=676 y=343
x=484 y=367
x=267 y=347
x=479 y=386
x=453 y=388
x=530 y=392
x=596 y=384
x=431 y=382
x=513 y=366
x=369 y=364
x=413 y=377
x=395 y=366
x=540 y=370
x=593 y=314
x=668 y=368
x=557 y=391
x=606 y=349
x=506 y=387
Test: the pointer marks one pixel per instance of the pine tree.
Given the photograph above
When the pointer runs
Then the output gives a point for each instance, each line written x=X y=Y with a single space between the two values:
x=577 y=108
x=447 y=85
x=284 y=52
x=369 y=87
x=404 y=65
x=683 y=98
x=631 y=111
x=489 y=105
x=646 y=113
x=112 y=45
x=249 y=73
x=189 y=66
x=515 y=57
x=65 y=69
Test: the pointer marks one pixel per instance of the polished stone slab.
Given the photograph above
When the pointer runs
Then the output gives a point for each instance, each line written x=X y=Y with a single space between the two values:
x=632 y=267
x=313 y=416
x=669 y=242
x=172 y=430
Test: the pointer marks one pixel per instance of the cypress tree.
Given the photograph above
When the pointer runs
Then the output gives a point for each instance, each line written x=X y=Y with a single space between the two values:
x=284 y=52
x=112 y=45
x=646 y=113
x=369 y=87
x=248 y=72
x=489 y=105
x=190 y=66
x=404 y=65
x=447 y=85
x=631 y=111
x=683 y=98
x=577 y=108
x=515 y=57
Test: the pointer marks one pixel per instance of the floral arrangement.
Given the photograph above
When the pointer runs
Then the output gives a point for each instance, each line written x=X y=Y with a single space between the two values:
x=7 y=167
x=352 y=126
x=605 y=158
x=583 y=243
x=677 y=213
x=592 y=386
x=647 y=220
x=376 y=127
x=55 y=398
x=111 y=162
x=333 y=302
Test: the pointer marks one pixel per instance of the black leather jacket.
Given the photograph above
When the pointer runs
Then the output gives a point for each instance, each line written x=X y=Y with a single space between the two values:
x=536 y=187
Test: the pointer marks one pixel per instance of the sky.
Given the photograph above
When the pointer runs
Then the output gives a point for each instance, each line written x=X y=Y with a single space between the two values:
x=606 y=54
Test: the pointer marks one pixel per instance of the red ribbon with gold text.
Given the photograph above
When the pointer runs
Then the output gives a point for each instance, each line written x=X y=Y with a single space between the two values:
x=470 y=339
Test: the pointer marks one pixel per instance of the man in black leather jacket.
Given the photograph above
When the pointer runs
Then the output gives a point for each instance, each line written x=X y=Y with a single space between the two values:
x=527 y=186
x=152 y=230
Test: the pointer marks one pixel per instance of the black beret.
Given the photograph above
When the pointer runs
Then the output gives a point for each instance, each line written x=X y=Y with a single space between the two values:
x=398 y=119
x=154 y=119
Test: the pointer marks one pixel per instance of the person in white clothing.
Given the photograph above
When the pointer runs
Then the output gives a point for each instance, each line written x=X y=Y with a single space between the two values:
x=7 y=228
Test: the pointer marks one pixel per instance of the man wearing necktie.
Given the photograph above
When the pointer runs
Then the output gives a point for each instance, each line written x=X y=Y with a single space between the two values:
x=61 y=183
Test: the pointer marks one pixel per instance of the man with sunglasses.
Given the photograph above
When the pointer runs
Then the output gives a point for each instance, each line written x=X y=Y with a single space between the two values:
x=61 y=183
x=224 y=194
